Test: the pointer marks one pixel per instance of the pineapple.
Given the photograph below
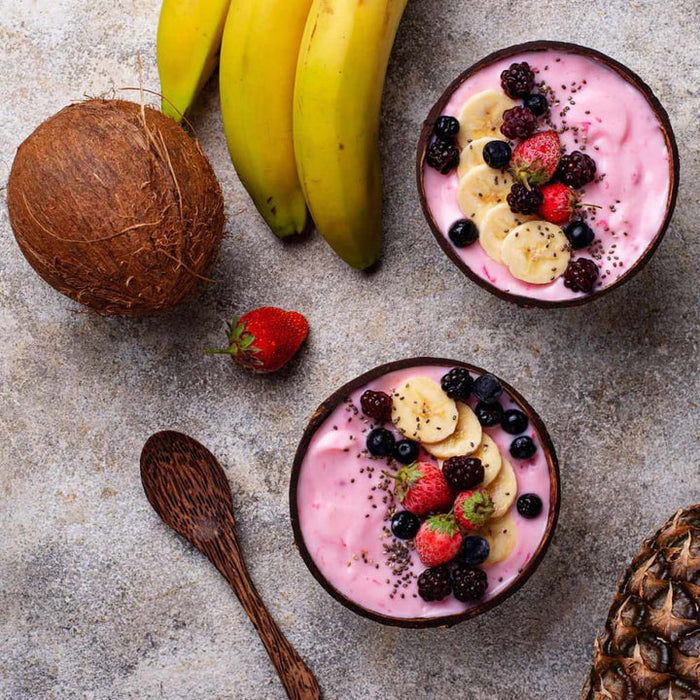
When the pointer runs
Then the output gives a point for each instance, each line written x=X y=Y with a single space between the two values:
x=650 y=648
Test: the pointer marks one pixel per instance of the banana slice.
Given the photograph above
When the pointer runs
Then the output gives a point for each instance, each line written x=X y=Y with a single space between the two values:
x=495 y=225
x=501 y=536
x=482 y=115
x=503 y=489
x=490 y=459
x=465 y=439
x=473 y=154
x=481 y=189
x=422 y=411
x=536 y=252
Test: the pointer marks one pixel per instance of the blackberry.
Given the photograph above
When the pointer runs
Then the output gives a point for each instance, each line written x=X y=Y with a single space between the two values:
x=463 y=232
x=497 y=154
x=475 y=550
x=380 y=442
x=457 y=384
x=469 y=584
x=518 y=80
x=434 y=584
x=576 y=169
x=405 y=525
x=580 y=275
x=518 y=123
x=446 y=127
x=489 y=414
x=536 y=103
x=376 y=405
x=514 y=422
x=522 y=200
x=442 y=155
x=523 y=447
x=463 y=473
x=580 y=235
x=529 y=505
x=487 y=388
x=406 y=451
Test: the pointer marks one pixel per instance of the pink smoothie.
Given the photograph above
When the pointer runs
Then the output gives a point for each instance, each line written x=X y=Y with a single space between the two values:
x=612 y=119
x=344 y=512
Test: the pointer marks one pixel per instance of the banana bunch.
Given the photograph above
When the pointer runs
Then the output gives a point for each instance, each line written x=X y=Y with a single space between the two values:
x=301 y=85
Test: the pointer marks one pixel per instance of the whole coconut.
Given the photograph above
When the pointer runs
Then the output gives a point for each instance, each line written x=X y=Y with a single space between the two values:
x=115 y=206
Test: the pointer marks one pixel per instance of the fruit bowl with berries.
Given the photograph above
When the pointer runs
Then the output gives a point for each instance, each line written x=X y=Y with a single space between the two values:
x=548 y=172
x=424 y=492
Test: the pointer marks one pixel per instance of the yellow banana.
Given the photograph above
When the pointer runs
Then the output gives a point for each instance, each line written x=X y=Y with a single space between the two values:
x=337 y=99
x=189 y=37
x=256 y=80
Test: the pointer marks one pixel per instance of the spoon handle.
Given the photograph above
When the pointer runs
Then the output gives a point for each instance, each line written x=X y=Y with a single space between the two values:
x=298 y=680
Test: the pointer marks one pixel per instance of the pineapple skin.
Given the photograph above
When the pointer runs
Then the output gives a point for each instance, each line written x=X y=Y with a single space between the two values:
x=650 y=649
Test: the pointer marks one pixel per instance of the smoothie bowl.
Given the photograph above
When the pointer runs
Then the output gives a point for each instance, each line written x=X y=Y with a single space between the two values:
x=548 y=173
x=424 y=492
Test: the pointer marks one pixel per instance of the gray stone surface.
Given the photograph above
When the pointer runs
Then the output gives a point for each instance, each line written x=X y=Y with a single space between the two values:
x=100 y=600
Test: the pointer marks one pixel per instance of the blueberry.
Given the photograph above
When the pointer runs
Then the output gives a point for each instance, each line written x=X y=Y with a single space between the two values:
x=446 y=127
x=497 y=154
x=536 y=103
x=489 y=414
x=487 y=388
x=523 y=447
x=475 y=550
x=404 y=525
x=380 y=442
x=580 y=235
x=406 y=451
x=529 y=505
x=514 y=422
x=463 y=233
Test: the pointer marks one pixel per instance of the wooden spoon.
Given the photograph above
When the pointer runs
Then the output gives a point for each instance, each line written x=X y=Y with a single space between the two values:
x=188 y=489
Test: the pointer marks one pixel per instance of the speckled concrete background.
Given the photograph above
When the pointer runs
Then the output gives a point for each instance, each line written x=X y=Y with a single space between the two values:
x=100 y=600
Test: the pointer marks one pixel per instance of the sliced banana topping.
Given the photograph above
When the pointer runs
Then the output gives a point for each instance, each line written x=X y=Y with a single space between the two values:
x=495 y=225
x=482 y=115
x=422 y=411
x=503 y=489
x=490 y=459
x=464 y=440
x=481 y=189
x=501 y=536
x=473 y=154
x=536 y=252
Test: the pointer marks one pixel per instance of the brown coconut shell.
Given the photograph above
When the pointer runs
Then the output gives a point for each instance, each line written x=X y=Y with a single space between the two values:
x=115 y=206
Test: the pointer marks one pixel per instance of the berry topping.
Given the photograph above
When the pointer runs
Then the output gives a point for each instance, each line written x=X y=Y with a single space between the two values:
x=559 y=203
x=422 y=488
x=404 y=525
x=469 y=584
x=446 y=127
x=406 y=451
x=489 y=414
x=457 y=384
x=442 y=155
x=434 y=584
x=518 y=123
x=580 y=235
x=497 y=154
x=376 y=405
x=523 y=447
x=514 y=421
x=475 y=550
x=535 y=161
x=524 y=200
x=576 y=169
x=580 y=275
x=536 y=103
x=463 y=473
x=463 y=233
x=529 y=505
x=518 y=80
x=380 y=442
x=438 y=540
x=473 y=508
x=487 y=388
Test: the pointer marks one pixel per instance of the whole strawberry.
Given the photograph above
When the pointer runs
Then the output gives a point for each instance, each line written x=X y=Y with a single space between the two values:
x=535 y=160
x=473 y=508
x=421 y=487
x=438 y=540
x=265 y=339
x=559 y=203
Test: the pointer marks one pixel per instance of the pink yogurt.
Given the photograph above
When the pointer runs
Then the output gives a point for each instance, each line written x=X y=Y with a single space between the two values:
x=624 y=137
x=344 y=532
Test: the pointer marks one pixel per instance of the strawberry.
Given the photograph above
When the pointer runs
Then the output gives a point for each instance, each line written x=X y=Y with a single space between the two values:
x=559 y=203
x=535 y=160
x=422 y=488
x=438 y=540
x=473 y=508
x=265 y=339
